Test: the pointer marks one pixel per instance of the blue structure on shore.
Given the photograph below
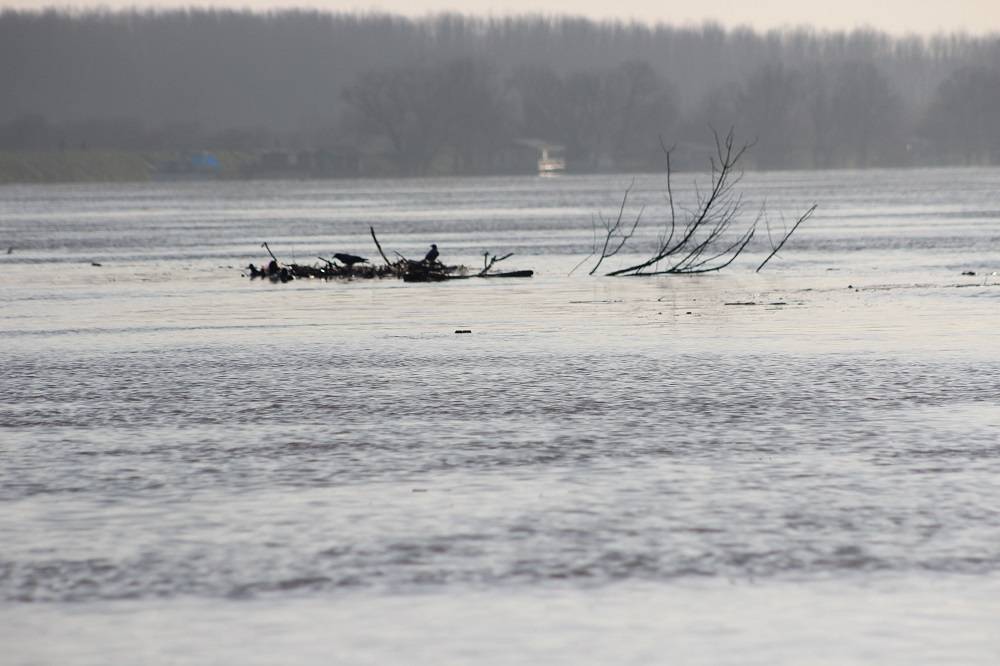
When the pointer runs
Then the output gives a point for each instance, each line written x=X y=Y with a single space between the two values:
x=205 y=162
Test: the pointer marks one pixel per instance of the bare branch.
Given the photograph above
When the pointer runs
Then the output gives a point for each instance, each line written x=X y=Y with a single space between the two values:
x=593 y=247
x=268 y=248
x=379 y=246
x=615 y=228
x=713 y=232
x=805 y=216
x=493 y=260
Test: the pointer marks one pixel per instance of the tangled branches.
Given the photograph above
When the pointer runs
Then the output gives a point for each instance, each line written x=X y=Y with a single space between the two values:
x=714 y=232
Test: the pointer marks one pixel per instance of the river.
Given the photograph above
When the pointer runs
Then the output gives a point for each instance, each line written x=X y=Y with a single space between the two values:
x=793 y=466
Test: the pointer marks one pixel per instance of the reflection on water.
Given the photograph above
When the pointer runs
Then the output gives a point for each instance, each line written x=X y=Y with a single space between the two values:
x=172 y=433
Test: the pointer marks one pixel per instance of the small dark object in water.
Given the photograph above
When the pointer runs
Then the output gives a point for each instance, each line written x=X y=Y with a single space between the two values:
x=349 y=259
x=741 y=303
x=463 y=330
x=431 y=255
x=94 y=263
x=508 y=274
x=10 y=250
x=968 y=272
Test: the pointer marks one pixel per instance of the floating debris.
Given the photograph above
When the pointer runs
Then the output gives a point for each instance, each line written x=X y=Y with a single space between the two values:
x=350 y=266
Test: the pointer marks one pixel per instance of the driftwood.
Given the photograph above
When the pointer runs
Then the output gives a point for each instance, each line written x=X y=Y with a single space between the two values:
x=268 y=248
x=432 y=271
x=490 y=259
x=423 y=271
x=379 y=247
x=408 y=270
x=278 y=271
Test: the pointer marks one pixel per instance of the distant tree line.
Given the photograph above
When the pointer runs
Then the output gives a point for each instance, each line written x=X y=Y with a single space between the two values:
x=454 y=94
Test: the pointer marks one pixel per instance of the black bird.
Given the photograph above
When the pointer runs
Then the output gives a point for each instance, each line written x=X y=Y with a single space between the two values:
x=432 y=255
x=349 y=259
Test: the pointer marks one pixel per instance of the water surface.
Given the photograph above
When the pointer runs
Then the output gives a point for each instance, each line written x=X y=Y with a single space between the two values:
x=605 y=470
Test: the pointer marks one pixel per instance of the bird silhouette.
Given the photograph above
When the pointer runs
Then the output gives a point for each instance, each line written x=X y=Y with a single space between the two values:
x=349 y=259
x=432 y=254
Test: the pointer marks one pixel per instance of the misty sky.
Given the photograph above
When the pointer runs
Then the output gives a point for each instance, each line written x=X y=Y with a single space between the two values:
x=895 y=16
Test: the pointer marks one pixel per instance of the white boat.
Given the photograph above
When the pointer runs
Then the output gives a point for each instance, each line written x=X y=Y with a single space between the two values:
x=550 y=160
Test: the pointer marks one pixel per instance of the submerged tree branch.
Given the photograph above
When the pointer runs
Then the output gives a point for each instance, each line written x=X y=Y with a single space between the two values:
x=714 y=233
x=612 y=229
x=805 y=216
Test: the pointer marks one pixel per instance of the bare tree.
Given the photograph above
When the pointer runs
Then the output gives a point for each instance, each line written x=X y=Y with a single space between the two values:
x=715 y=232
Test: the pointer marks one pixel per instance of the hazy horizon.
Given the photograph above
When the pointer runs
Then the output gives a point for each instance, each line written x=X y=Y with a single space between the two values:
x=383 y=95
x=896 y=17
